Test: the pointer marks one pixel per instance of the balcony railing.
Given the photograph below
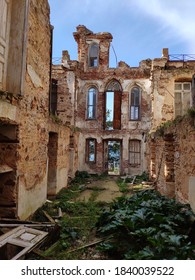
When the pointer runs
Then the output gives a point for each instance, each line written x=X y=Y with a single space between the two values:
x=182 y=57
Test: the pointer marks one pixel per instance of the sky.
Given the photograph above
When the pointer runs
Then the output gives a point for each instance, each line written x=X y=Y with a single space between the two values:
x=140 y=28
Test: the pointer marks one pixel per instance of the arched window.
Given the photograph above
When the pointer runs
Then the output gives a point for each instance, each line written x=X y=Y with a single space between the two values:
x=135 y=97
x=91 y=103
x=113 y=95
x=93 y=55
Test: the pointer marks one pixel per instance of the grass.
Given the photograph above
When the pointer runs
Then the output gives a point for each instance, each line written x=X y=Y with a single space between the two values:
x=78 y=224
x=79 y=220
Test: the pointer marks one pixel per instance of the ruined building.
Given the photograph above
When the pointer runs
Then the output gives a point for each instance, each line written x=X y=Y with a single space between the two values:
x=117 y=112
x=112 y=106
x=33 y=146
x=84 y=115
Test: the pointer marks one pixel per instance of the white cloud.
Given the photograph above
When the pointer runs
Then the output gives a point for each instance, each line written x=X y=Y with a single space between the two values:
x=176 y=16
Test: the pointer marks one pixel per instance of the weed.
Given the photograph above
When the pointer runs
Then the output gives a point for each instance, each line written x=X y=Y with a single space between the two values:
x=123 y=186
x=147 y=226
x=191 y=112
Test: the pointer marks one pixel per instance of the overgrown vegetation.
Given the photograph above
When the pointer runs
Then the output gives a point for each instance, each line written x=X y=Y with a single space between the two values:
x=78 y=221
x=146 y=226
x=191 y=112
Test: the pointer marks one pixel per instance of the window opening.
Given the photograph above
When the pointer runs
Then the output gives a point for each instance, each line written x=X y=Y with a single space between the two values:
x=93 y=55
x=52 y=164
x=135 y=152
x=109 y=110
x=91 y=103
x=91 y=150
x=53 y=100
x=135 y=104
x=113 y=106
x=182 y=98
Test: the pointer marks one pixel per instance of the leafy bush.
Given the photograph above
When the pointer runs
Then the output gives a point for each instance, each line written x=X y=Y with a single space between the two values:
x=146 y=226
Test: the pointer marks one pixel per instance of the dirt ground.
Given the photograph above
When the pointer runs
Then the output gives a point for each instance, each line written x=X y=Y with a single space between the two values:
x=106 y=190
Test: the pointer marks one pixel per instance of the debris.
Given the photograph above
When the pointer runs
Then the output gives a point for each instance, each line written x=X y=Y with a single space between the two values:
x=134 y=177
x=49 y=217
x=88 y=245
x=19 y=241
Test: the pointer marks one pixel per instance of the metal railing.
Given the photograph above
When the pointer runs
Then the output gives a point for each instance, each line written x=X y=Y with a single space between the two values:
x=182 y=57
x=56 y=60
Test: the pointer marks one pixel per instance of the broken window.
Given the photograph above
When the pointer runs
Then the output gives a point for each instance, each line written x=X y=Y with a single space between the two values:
x=135 y=104
x=134 y=152
x=182 y=98
x=19 y=241
x=113 y=106
x=53 y=97
x=93 y=55
x=91 y=103
x=91 y=150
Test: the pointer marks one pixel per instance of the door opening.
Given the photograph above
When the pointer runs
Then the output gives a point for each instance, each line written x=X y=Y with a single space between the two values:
x=52 y=164
x=114 y=157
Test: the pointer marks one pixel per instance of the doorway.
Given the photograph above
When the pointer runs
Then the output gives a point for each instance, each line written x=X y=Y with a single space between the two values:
x=52 y=164
x=112 y=156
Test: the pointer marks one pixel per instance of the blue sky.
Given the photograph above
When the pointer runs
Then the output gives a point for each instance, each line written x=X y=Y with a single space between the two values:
x=140 y=28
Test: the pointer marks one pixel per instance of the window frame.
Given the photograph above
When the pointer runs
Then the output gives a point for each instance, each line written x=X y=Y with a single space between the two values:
x=135 y=143
x=93 y=61
x=182 y=92
x=87 y=150
x=133 y=105
x=93 y=105
x=115 y=87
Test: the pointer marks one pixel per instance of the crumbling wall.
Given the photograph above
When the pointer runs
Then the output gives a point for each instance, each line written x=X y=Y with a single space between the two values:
x=172 y=160
x=33 y=112
x=164 y=74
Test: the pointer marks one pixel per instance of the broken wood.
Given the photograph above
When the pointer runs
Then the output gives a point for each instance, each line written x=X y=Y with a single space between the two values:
x=36 y=225
x=87 y=245
x=133 y=180
x=49 y=217
x=19 y=241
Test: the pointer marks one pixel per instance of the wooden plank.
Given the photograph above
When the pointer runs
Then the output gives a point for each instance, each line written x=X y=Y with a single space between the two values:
x=25 y=238
x=36 y=225
x=48 y=217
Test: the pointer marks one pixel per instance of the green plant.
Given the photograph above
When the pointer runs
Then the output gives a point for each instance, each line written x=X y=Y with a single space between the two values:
x=123 y=186
x=147 y=226
x=163 y=126
x=191 y=112
x=55 y=119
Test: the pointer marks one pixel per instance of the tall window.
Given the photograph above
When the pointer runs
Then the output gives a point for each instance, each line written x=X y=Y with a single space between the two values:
x=91 y=150
x=182 y=98
x=135 y=104
x=135 y=152
x=13 y=20
x=91 y=103
x=112 y=119
x=93 y=55
x=53 y=97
